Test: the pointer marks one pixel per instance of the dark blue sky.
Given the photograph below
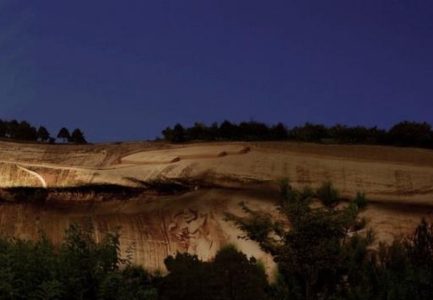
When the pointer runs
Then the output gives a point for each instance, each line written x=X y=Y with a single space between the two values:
x=123 y=70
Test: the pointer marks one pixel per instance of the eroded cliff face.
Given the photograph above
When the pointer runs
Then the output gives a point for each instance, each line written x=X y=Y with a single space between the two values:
x=218 y=176
x=151 y=226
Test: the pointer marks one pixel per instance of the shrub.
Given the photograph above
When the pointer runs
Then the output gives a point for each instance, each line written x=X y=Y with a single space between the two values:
x=328 y=194
x=360 y=200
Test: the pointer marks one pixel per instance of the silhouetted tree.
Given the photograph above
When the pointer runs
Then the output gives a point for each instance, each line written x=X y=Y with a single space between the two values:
x=402 y=134
x=279 y=132
x=64 y=135
x=168 y=134
x=181 y=282
x=12 y=129
x=310 y=133
x=411 y=134
x=25 y=131
x=43 y=134
x=252 y=131
x=3 y=128
x=198 y=132
x=77 y=137
x=213 y=131
x=178 y=134
x=230 y=275
x=240 y=278
x=228 y=131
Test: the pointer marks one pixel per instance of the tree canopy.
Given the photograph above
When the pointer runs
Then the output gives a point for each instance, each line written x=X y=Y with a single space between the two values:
x=64 y=134
x=24 y=131
x=402 y=134
x=77 y=137
x=230 y=275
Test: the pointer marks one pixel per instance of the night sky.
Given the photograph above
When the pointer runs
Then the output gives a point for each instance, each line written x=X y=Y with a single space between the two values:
x=124 y=70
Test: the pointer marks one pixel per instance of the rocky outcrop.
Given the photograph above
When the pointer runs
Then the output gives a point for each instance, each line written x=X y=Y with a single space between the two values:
x=182 y=192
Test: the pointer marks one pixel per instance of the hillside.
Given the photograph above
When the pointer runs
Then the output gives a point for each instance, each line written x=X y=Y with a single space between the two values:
x=210 y=179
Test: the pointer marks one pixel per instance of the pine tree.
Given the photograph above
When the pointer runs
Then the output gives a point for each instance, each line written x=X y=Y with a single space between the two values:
x=3 y=128
x=178 y=134
x=43 y=135
x=77 y=137
x=64 y=135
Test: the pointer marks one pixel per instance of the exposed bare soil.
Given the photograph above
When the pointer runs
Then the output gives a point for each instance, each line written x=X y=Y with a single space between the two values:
x=398 y=182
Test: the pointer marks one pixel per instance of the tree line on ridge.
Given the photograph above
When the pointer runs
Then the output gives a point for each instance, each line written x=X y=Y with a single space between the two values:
x=406 y=133
x=26 y=132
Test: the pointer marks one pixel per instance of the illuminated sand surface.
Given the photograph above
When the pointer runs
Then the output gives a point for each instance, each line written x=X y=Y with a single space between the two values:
x=398 y=181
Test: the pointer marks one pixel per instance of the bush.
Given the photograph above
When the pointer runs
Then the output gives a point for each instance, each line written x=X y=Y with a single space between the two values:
x=360 y=200
x=328 y=194
x=80 y=268
x=230 y=275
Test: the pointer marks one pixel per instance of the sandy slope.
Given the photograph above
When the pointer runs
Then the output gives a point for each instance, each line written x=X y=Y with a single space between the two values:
x=399 y=182
x=384 y=173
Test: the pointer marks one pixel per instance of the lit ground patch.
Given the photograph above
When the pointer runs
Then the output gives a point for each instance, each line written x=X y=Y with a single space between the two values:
x=182 y=153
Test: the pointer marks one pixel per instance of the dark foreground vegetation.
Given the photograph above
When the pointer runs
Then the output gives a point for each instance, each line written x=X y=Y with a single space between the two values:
x=326 y=254
x=25 y=132
x=402 y=134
